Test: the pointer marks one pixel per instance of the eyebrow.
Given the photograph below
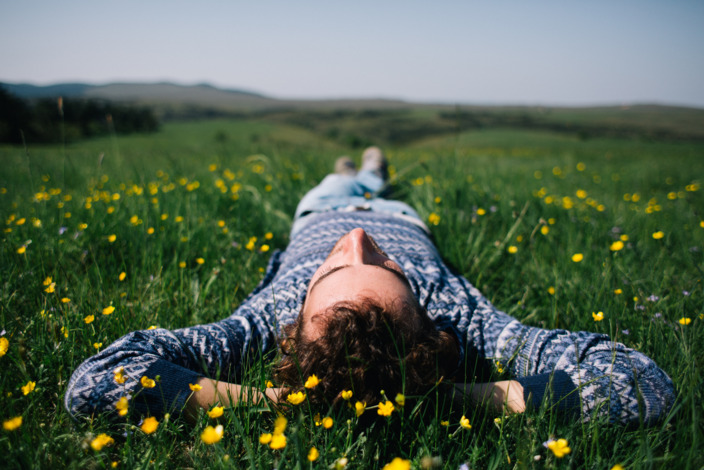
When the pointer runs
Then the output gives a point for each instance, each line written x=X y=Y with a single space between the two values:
x=401 y=277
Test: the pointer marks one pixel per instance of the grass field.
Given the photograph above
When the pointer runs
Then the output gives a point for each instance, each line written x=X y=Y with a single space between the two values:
x=190 y=216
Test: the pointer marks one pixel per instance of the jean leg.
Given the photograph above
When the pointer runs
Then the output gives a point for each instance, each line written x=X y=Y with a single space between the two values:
x=371 y=181
x=333 y=189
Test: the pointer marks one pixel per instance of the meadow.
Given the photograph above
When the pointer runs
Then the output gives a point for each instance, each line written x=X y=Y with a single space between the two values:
x=175 y=229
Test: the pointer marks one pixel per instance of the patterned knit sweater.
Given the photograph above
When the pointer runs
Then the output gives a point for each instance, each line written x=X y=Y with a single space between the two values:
x=582 y=372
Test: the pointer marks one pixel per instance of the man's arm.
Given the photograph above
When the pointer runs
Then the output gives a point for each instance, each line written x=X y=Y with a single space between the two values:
x=225 y=394
x=574 y=371
x=506 y=395
x=172 y=359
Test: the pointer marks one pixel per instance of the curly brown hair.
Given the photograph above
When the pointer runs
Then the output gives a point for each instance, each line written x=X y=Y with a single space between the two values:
x=367 y=347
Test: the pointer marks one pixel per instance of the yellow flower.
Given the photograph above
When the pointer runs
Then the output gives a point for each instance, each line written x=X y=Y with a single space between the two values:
x=296 y=398
x=385 y=409
x=551 y=290
x=658 y=235
x=359 y=408
x=21 y=250
x=433 y=218
x=194 y=387
x=598 y=316
x=114 y=464
x=327 y=422
x=265 y=438
x=28 y=387
x=444 y=423
x=280 y=425
x=216 y=412
x=682 y=321
x=544 y=229
x=119 y=375
x=577 y=257
x=47 y=281
x=513 y=249
x=122 y=406
x=559 y=448
x=50 y=288
x=147 y=382
x=616 y=246
x=464 y=422
x=122 y=276
x=97 y=345
x=211 y=435
x=4 y=346
x=12 y=423
x=200 y=260
x=618 y=291
x=269 y=384
x=346 y=394
x=101 y=441
x=400 y=399
x=398 y=464
x=112 y=238
x=617 y=467
x=624 y=237
x=108 y=310
x=268 y=235
x=316 y=419
x=313 y=454
x=312 y=381
x=182 y=264
x=278 y=442
x=89 y=319
x=65 y=300
x=264 y=248
x=149 y=425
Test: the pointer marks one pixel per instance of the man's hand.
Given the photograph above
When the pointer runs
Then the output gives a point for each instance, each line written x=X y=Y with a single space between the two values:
x=506 y=395
x=226 y=394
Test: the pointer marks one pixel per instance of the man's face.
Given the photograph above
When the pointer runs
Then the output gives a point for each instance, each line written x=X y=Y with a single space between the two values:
x=355 y=268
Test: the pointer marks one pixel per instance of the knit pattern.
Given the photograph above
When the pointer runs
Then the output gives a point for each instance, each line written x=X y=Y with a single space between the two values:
x=601 y=377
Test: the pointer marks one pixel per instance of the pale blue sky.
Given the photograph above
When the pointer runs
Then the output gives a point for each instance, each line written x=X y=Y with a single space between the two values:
x=561 y=52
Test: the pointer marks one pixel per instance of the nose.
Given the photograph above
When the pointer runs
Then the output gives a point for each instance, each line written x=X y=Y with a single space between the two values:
x=359 y=249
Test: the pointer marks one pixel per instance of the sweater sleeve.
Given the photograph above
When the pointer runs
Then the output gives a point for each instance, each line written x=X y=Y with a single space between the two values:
x=579 y=371
x=174 y=359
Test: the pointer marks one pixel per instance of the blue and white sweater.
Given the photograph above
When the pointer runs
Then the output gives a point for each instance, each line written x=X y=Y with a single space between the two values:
x=579 y=371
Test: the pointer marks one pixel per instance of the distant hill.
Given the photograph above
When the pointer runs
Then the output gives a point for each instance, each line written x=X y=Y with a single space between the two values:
x=384 y=120
x=171 y=97
x=66 y=90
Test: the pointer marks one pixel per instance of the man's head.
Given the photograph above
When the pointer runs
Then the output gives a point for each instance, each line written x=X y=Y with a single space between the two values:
x=361 y=329
x=356 y=268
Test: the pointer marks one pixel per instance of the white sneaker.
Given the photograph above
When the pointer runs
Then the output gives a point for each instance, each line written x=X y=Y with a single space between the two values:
x=373 y=159
x=345 y=166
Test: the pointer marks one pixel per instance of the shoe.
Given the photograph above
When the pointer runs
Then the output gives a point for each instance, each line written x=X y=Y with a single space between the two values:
x=345 y=166
x=373 y=159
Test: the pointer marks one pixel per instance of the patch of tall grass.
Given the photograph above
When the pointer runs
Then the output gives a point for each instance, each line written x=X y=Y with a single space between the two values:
x=176 y=229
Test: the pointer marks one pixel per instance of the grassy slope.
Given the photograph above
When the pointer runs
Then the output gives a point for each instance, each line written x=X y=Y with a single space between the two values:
x=510 y=175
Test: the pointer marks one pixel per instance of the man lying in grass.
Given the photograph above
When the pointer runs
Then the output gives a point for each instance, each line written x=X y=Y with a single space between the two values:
x=362 y=300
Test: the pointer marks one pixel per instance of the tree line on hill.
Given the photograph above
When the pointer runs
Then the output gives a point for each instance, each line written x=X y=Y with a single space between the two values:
x=49 y=120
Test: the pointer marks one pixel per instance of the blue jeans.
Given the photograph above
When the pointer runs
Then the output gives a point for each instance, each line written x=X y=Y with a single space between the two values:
x=346 y=192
